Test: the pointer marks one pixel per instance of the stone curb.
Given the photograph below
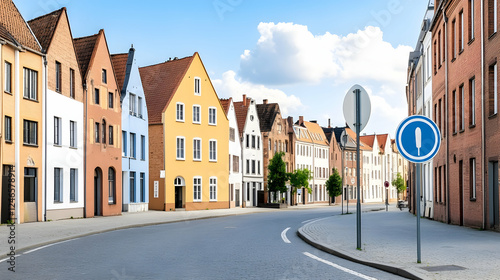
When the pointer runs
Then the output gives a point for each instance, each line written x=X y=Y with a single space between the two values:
x=328 y=249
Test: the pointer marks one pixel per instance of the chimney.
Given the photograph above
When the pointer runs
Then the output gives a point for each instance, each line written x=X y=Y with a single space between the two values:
x=301 y=120
x=264 y=101
x=329 y=126
x=244 y=100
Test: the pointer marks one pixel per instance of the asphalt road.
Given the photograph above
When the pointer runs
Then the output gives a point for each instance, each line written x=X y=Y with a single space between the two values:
x=255 y=246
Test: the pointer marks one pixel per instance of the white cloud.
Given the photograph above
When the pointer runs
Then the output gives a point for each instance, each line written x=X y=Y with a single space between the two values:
x=231 y=86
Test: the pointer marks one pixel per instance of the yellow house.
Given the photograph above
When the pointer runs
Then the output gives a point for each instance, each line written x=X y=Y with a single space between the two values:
x=188 y=137
x=21 y=105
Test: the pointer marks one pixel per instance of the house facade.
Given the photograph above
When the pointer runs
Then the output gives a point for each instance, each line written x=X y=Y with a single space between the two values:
x=63 y=118
x=335 y=150
x=22 y=110
x=189 y=136
x=235 y=174
x=251 y=150
x=102 y=115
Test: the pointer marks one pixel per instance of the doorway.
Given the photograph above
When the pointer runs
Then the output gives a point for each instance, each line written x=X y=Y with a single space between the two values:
x=30 y=194
x=461 y=190
x=237 y=198
x=97 y=192
x=493 y=194
x=179 y=185
x=7 y=187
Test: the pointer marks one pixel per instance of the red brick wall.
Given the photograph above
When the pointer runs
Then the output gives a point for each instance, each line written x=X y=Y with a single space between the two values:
x=156 y=163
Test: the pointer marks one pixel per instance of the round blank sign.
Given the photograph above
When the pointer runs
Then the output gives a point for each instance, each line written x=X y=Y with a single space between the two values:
x=350 y=107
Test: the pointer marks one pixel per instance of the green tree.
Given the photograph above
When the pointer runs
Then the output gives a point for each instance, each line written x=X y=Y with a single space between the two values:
x=334 y=184
x=299 y=178
x=399 y=182
x=277 y=177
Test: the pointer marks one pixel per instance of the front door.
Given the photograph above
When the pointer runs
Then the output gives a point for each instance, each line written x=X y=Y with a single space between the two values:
x=178 y=197
x=237 y=198
x=6 y=190
x=30 y=194
x=97 y=192
x=493 y=194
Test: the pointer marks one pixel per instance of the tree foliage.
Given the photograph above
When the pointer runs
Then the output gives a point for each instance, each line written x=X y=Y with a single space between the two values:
x=277 y=177
x=299 y=178
x=399 y=182
x=334 y=184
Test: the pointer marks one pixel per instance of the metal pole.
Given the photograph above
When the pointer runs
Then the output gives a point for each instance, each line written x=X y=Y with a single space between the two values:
x=343 y=177
x=417 y=200
x=358 y=203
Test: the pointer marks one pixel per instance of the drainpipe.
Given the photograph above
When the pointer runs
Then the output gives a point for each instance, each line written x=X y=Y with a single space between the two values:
x=445 y=18
x=17 y=138
x=483 y=130
x=85 y=133
x=44 y=151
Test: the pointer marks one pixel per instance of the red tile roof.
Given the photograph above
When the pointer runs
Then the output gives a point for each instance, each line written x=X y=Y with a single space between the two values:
x=160 y=82
x=13 y=22
x=84 y=47
x=225 y=103
x=120 y=65
x=382 y=140
x=367 y=139
x=241 y=114
x=45 y=26
x=316 y=133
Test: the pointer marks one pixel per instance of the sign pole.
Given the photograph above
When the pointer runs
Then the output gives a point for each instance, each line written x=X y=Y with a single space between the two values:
x=358 y=203
x=417 y=200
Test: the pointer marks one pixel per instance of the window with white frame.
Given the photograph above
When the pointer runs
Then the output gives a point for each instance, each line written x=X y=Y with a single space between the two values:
x=73 y=185
x=124 y=144
x=179 y=112
x=57 y=131
x=131 y=104
x=30 y=136
x=132 y=145
x=8 y=77
x=197 y=149
x=213 y=188
x=58 y=185
x=180 y=148
x=8 y=129
x=72 y=134
x=143 y=147
x=197 y=88
x=197 y=189
x=139 y=107
x=213 y=150
x=30 y=84
x=472 y=178
x=58 y=76
x=212 y=116
x=196 y=114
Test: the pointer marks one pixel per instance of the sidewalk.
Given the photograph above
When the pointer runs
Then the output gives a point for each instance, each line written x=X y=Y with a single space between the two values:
x=389 y=242
x=32 y=235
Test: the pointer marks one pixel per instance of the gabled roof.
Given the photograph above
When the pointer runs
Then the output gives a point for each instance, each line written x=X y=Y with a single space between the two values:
x=226 y=104
x=84 y=47
x=120 y=65
x=267 y=114
x=316 y=133
x=241 y=111
x=160 y=82
x=14 y=27
x=44 y=27
x=382 y=141
x=367 y=139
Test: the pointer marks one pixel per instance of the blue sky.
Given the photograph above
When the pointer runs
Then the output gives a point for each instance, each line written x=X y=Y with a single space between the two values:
x=304 y=55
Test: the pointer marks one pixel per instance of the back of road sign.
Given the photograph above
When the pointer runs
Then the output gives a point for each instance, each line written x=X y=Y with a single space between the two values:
x=418 y=138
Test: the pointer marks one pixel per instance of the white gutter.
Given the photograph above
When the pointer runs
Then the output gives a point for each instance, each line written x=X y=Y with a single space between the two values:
x=17 y=139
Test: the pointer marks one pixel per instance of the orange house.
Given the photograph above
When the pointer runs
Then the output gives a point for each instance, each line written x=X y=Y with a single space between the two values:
x=102 y=116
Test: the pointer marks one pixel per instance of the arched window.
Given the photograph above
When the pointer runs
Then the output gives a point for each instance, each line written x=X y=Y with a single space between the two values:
x=111 y=185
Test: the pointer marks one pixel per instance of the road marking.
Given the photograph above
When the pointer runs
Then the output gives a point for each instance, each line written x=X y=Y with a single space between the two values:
x=283 y=236
x=310 y=220
x=36 y=249
x=316 y=220
x=2 y=260
x=339 y=267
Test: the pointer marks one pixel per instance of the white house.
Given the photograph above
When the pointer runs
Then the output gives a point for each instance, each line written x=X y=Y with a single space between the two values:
x=251 y=150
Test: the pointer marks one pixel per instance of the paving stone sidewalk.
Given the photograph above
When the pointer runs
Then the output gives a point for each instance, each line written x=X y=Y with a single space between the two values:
x=389 y=242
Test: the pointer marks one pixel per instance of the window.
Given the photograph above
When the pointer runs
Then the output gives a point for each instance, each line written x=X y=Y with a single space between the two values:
x=248 y=141
x=104 y=131
x=212 y=116
x=472 y=101
x=30 y=84
x=472 y=178
x=124 y=144
x=139 y=106
x=132 y=145
x=57 y=131
x=110 y=100
x=196 y=114
x=143 y=147
x=57 y=185
x=132 y=187
x=213 y=150
x=232 y=133
x=197 y=189
x=180 y=112
x=197 y=90
x=462 y=107
x=73 y=184
x=197 y=149
x=58 y=77
x=258 y=142
x=454 y=38
x=96 y=132
x=30 y=180
x=8 y=129
x=111 y=138
x=8 y=77
x=248 y=167
x=253 y=166
x=71 y=83
x=30 y=136
x=104 y=76
x=493 y=89
x=72 y=134
x=455 y=111
x=213 y=189
x=492 y=17
x=180 y=148
x=142 y=185
x=471 y=20
x=111 y=186
x=131 y=104
x=258 y=167
x=236 y=164
x=96 y=96
x=461 y=30
x=253 y=141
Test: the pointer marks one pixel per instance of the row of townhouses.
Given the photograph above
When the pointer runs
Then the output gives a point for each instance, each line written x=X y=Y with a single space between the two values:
x=87 y=133
x=453 y=79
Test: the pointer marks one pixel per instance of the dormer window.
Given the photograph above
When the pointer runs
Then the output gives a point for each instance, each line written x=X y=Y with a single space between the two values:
x=197 y=88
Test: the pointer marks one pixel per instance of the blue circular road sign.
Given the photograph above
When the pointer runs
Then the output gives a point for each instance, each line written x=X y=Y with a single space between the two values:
x=418 y=138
